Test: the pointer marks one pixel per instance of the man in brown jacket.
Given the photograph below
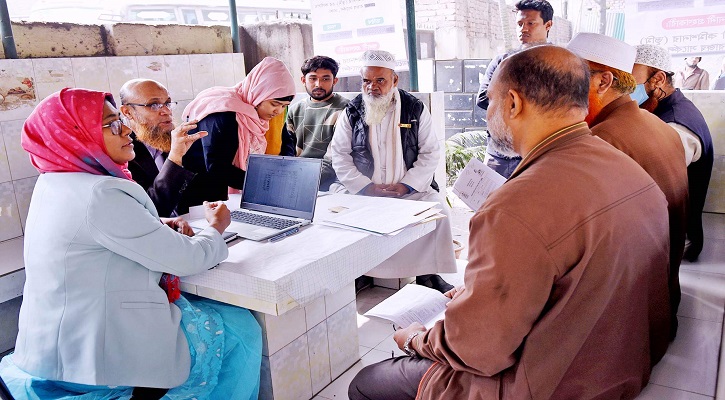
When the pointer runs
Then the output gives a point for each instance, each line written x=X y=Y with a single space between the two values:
x=656 y=146
x=564 y=294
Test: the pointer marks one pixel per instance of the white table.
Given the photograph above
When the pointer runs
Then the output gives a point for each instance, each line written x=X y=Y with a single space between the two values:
x=301 y=290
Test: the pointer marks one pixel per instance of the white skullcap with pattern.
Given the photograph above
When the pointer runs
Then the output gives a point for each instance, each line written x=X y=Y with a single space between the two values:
x=653 y=56
x=603 y=50
x=378 y=58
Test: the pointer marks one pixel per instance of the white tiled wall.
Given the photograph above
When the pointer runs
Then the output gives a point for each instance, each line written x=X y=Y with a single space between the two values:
x=184 y=75
x=305 y=349
x=710 y=103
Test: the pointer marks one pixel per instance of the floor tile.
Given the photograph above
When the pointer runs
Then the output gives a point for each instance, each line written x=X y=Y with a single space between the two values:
x=713 y=225
x=703 y=295
x=338 y=388
x=657 y=392
x=372 y=332
x=691 y=361
x=712 y=258
x=12 y=253
x=364 y=350
x=388 y=345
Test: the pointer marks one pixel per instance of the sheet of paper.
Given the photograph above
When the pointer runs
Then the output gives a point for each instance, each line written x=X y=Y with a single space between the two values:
x=412 y=303
x=476 y=182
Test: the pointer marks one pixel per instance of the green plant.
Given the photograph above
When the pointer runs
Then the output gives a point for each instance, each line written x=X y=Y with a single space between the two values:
x=460 y=148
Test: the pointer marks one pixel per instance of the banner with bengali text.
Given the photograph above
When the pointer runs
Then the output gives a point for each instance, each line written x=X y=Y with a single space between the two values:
x=345 y=29
x=685 y=27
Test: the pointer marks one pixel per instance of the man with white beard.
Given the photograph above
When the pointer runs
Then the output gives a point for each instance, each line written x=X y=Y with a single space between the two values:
x=384 y=145
x=146 y=108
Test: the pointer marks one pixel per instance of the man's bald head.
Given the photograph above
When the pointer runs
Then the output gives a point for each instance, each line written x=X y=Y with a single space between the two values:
x=550 y=77
x=135 y=87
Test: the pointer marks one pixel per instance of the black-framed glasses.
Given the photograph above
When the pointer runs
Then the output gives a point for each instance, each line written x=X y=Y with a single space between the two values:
x=116 y=127
x=156 y=106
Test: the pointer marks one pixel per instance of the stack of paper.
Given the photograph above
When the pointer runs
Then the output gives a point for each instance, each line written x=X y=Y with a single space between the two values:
x=412 y=303
x=476 y=182
x=386 y=216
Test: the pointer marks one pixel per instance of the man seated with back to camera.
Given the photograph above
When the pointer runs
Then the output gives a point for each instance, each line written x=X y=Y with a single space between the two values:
x=654 y=145
x=657 y=94
x=564 y=297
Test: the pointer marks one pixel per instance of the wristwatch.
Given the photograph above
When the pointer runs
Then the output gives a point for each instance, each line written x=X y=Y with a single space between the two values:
x=406 y=346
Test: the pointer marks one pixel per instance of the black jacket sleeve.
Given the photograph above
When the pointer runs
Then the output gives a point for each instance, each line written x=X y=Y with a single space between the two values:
x=288 y=143
x=168 y=187
x=220 y=147
x=164 y=187
x=482 y=98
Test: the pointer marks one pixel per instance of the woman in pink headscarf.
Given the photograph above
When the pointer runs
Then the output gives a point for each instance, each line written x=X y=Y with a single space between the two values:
x=95 y=323
x=237 y=119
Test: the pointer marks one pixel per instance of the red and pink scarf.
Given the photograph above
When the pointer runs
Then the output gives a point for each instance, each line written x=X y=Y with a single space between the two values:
x=64 y=134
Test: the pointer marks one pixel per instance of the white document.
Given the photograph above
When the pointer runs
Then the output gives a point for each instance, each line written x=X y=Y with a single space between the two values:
x=386 y=218
x=476 y=182
x=412 y=303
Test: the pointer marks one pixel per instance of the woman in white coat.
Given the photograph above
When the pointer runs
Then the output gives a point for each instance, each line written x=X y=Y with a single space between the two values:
x=94 y=323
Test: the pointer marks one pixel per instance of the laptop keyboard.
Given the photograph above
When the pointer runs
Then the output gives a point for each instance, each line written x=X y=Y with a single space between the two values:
x=262 y=220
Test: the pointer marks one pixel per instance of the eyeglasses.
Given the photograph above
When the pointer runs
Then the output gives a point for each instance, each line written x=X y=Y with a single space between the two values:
x=116 y=127
x=156 y=106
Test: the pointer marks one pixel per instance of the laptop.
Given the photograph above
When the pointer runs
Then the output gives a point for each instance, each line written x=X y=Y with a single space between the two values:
x=279 y=195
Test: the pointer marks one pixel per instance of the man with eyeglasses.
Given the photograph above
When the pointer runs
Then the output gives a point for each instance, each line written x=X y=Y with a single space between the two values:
x=385 y=145
x=654 y=145
x=653 y=73
x=312 y=121
x=146 y=109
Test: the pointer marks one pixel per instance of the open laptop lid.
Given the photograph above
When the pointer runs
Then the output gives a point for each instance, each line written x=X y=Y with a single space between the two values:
x=282 y=185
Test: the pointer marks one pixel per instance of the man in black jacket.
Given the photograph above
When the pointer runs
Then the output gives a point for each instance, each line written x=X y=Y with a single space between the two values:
x=146 y=109
x=653 y=73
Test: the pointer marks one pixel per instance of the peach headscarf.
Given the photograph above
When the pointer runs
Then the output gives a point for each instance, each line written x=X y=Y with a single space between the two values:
x=270 y=79
x=64 y=134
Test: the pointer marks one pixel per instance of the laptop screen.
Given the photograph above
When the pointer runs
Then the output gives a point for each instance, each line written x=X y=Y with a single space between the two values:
x=282 y=185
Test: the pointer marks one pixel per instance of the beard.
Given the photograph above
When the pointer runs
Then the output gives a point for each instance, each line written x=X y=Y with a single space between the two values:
x=650 y=104
x=377 y=107
x=653 y=100
x=501 y=136
x=154 y=136
x=320 y=94
x=595 y=107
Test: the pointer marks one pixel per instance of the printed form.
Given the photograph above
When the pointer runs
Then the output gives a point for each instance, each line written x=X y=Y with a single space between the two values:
x=476 y=182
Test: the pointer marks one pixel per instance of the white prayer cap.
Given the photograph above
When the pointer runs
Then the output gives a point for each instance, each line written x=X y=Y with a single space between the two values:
x=378 y=58
x=653 y=56
x=603 y=50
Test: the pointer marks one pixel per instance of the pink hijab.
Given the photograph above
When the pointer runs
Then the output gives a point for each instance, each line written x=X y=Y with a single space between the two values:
x=270 y=79
x=64 y=134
